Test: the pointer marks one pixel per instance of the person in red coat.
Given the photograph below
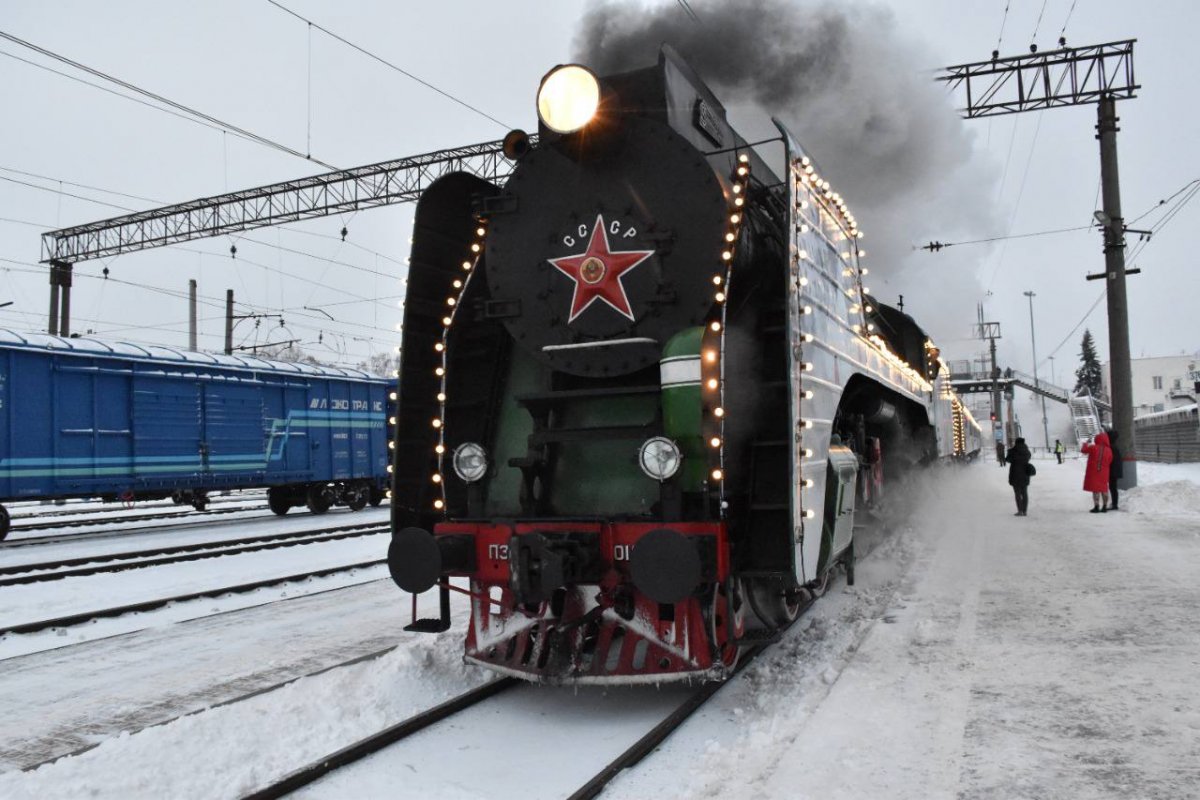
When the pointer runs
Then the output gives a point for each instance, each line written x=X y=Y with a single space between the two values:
x=1095 y=480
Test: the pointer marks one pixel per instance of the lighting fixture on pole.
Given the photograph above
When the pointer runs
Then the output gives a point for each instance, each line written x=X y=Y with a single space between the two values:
x=1033 y=341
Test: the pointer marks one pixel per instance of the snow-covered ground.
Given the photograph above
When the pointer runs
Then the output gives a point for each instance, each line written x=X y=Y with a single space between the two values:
x=980 y=655
x=1051 y=656
x=29 y=603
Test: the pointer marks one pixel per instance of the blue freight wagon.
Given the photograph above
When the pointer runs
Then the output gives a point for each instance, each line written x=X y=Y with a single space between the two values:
x=82 y=417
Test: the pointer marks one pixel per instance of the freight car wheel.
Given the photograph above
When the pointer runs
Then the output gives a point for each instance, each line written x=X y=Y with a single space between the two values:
x=277 y=501
x=5 y=523
x=319 y=499
x=356 y=499
x=375 y=496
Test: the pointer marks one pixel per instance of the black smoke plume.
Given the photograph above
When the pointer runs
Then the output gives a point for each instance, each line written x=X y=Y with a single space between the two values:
x=862 y=101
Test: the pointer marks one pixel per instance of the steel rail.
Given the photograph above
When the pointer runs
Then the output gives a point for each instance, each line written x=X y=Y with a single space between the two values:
x=228 y=702
x=54 y=570
x=66 y=510
x=71 y=538
x=150 y=605
x=377 y=741
x=81 y=523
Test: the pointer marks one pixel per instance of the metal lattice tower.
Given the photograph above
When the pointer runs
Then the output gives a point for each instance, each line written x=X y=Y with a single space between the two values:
x=1072 y=76
x=386 y=183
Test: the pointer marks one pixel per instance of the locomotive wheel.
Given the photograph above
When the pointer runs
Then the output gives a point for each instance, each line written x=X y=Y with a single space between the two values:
x=356 y=498
x=319 y=500
x=775 y=607
x=277 y=500
x=5 y=523
x=717 y=604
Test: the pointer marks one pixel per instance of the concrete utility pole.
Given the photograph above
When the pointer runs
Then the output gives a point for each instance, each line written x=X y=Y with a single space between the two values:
x=1033 y=341
x=1120 y=370
x=192 y=315
x=60 y=298
x=229 y=322
x=1072 y=76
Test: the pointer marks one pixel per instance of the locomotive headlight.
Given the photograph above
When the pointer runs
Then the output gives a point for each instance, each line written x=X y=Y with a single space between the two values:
x=470 y=461
x=568 y=98
x=659 y=458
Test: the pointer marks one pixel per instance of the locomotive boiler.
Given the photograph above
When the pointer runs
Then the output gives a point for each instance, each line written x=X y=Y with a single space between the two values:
x=643 y=389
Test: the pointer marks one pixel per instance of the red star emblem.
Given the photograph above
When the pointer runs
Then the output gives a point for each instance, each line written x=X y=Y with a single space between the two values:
x=597 y=273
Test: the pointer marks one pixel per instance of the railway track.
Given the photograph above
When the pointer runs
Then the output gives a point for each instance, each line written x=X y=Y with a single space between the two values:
x=27 y=511
x=592 y=787
x=71 y=538
x=119 y=562
x=150 y=605
x=370 y=656
x=92 y=536
x=88 y=522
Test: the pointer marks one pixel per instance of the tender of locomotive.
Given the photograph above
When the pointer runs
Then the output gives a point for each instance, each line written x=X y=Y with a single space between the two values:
x=643 y=388
x=81 y=417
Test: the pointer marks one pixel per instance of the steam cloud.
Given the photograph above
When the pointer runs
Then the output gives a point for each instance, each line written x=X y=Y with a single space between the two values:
x=863 y=103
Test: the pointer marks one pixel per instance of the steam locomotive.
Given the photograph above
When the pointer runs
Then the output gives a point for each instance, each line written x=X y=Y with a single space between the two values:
x=644 y=389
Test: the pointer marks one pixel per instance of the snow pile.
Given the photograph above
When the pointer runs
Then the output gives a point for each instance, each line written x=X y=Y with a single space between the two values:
x=232 y=750
x=1167 y=490
x=1173 y=498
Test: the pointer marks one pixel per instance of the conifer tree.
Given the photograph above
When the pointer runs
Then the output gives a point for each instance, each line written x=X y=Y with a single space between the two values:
x=1088 y=375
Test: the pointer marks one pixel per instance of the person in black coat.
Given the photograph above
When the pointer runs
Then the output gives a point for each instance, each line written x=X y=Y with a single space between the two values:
x=1018 y=474
x=1115 y=470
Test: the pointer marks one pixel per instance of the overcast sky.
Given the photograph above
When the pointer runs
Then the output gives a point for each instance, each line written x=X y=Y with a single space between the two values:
x=249 y=63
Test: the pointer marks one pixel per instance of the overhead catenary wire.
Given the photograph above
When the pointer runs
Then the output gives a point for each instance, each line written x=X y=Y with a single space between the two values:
x=387 y=63
x=111 y=91
x=942 y=245
x=1062 y=33
x=158 y=98
x=1003 y=22
x=1017 y=205
x=1037 y=25
x=1079 y=324
x=687 y=9
x=1191 y=189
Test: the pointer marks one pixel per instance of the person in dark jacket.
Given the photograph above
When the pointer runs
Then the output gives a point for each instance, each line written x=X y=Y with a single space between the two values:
x=1115 y=469
x=1018 y=474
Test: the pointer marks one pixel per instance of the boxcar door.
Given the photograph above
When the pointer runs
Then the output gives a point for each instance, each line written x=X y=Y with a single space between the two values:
x=168 y=427
x=233 y=430
x=297 y=444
